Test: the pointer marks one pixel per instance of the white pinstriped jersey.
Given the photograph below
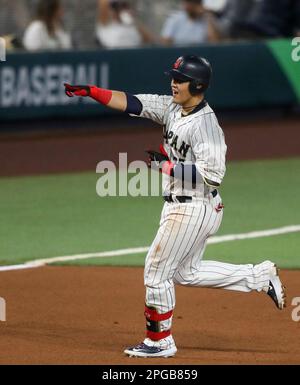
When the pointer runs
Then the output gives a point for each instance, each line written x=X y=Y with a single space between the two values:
x=175 y=255
x=196 y=138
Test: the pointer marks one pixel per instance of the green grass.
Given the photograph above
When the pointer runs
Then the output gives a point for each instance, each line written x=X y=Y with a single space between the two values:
x=282 y=249
x=48 y=216
x=58 y=215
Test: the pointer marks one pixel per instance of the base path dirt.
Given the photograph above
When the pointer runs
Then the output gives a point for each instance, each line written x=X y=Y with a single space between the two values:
x=72 y=150
x=88 y=315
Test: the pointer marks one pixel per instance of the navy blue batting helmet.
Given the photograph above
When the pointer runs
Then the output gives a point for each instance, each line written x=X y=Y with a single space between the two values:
x=194 y=69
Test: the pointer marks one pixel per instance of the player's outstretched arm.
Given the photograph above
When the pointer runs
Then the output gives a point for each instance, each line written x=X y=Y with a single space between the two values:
x=113 y=99
x=117 y=100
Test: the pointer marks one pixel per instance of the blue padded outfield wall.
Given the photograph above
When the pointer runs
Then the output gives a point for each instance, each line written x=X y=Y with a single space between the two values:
x=244 y=75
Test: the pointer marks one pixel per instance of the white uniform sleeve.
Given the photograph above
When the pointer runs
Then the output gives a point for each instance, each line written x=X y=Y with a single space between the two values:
x=208 y=145
x=154 y=107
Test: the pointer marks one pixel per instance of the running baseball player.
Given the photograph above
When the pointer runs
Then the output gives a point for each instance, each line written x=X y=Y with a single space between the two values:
x=192 y=161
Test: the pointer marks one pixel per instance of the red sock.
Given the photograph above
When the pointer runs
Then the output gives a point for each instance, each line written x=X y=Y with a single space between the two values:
x=153 y=323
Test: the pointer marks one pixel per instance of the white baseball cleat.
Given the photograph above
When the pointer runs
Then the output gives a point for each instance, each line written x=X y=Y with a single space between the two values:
x=276 y=290
x=148 y=348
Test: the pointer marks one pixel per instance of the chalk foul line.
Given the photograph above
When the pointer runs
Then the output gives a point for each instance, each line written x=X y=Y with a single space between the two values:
x=140 y=250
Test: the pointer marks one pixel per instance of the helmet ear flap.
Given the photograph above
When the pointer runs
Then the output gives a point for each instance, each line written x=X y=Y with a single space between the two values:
x=196 y=88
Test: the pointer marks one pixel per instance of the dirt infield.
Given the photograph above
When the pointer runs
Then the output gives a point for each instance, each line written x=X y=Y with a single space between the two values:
x=55 y=150
x=84 y=315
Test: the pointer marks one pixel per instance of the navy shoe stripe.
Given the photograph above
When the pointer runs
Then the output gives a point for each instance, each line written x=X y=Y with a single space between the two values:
x=143 y=348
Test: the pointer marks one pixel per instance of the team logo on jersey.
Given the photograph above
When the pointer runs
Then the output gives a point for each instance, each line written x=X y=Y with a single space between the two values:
x=177 y=63
x=172 y=139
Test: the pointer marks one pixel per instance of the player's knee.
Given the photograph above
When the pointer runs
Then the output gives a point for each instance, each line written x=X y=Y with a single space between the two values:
x=176 y=279
x=150 y=282
x=180 y=279
x=151 y=279
x=156 y=281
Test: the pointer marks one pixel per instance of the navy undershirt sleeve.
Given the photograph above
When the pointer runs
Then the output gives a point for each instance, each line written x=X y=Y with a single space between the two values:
x=134 y=105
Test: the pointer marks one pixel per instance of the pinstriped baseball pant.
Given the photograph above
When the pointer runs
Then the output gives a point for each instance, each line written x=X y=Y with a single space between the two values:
x=175 y=256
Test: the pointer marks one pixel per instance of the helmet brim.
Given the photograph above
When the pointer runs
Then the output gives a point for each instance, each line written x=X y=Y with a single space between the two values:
x=175 y=74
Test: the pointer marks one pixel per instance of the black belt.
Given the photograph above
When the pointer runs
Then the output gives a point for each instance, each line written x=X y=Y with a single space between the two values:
x=184 y=199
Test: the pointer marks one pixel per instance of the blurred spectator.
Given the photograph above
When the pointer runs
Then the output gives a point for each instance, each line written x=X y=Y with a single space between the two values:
x=46 y=32
x=192 y=25
x=12 y=42
x=118 y=28
x=14 y=16
x=216 y=6
x=275 y=19
x=231 y=23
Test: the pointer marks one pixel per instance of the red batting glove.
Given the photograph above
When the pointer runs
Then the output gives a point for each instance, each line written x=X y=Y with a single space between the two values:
x=77 y=90
x=101 y=95
x=161 y=160
x=167 y=166
x=163 y=151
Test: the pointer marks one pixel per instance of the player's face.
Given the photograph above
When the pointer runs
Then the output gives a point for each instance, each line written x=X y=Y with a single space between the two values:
x=180 y=91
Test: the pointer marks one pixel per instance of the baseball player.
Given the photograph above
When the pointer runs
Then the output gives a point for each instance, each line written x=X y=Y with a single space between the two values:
x=192 y=161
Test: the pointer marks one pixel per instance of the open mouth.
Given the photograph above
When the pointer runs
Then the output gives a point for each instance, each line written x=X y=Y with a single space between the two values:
x=175 y=93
